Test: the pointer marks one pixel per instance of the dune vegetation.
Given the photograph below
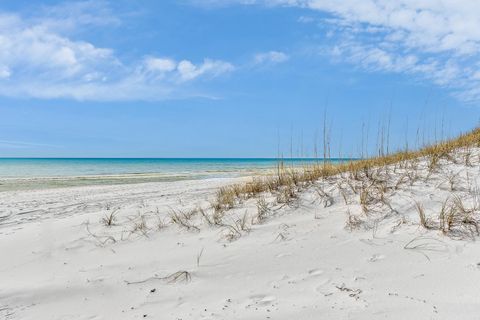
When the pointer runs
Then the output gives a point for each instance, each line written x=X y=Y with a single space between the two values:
x=371 y=180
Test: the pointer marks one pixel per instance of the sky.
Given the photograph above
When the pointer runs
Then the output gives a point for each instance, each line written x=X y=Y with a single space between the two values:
x=235 y=78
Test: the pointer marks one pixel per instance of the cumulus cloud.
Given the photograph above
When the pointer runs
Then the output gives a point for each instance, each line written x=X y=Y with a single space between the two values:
x=38 y=59
x=271 y=57
x=437 y=40
x=35 y=51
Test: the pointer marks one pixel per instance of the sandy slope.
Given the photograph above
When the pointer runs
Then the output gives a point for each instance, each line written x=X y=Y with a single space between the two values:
x=301 y=263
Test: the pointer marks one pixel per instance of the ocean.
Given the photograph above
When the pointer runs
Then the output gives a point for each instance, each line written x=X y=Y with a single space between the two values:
x=26 y=173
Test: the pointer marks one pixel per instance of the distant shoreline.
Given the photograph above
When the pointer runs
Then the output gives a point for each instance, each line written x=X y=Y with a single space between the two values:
x=40 y=183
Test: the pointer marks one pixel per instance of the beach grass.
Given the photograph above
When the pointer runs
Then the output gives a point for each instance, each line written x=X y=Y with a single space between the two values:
x=288 y=180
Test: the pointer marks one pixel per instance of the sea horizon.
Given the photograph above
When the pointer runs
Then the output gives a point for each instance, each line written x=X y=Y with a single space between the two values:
x=199 y=158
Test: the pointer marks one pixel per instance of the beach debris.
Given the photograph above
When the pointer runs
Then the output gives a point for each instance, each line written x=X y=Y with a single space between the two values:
x=176 y=277
x=354 y=293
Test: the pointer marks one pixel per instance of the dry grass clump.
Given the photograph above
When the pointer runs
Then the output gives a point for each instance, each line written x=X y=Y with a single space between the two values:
x=468 y=156
x=452 y=180
x=109 y=219
x=424 y=222
x=184 y=218
x=234 y=230
x=366 y=198
x=446 y=217
x=343 y=192
x=457 y=220
x=226 y=198
x=262 y=210
x=327 y=199
x=140 y=225
x=353 y=222
x=287 y=194
x=161 y=222
x=209 y=219
x=434 y=163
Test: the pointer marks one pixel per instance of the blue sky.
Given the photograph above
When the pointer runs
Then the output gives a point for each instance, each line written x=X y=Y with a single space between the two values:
x=233 y=78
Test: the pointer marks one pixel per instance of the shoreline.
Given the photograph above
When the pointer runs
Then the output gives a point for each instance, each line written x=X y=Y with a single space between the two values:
x=40 y=183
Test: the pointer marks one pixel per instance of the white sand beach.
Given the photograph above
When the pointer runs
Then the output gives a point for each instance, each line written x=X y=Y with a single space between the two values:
x=239 y=160
x=59 y=260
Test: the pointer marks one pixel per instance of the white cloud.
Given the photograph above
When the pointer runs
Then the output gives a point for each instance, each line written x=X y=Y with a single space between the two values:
x=433 y=39
x=305 y=19
x=184 y=70
x=33 y=51
x=188 y=71
x=4 y=72
x=160 y=64
x=69 y=16
x=272 y=57
x=37 y=60
x=13 y=144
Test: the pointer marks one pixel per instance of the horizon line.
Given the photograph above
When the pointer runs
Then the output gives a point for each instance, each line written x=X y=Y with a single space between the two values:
x=192 y=158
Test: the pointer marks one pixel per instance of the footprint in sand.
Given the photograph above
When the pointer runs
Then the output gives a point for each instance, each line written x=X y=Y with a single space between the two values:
x=376 y=257
x=316 y=276
x=261 y=300
x=320 y=286
x=315 y=272
x=308 y=276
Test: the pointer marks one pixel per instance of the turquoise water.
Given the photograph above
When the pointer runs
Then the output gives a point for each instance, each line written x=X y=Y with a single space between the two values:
x=26 y=173
x=27 y=168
